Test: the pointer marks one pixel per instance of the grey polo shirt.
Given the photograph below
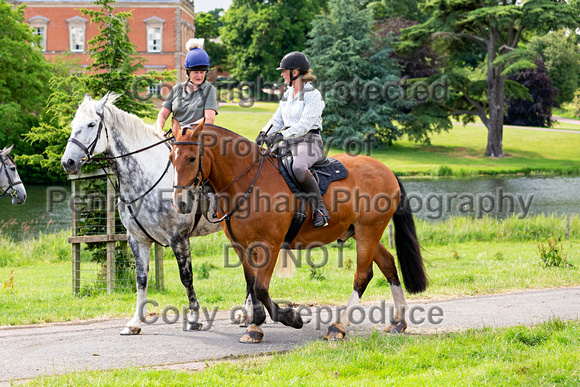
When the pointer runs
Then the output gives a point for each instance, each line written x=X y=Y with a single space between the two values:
x=188 y=107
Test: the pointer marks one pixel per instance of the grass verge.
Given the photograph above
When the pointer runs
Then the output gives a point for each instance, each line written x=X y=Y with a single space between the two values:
x=462 y=257
x=546 y=354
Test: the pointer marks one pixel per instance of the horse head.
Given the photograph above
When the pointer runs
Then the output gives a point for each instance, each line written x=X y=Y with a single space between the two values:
x=191 y=163
x=87 y=138
x=10 y=183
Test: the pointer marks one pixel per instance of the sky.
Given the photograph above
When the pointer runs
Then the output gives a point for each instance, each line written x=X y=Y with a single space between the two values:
x=208 y=5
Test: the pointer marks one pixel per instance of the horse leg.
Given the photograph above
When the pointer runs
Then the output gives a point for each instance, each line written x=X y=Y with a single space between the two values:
x=253 y=308
x=182 y=250
x=140 y=251
x=266 y=263
x=365 y=246
x=386 y=264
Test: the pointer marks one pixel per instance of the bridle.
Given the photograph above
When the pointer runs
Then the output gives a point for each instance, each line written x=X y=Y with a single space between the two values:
x=200 y=179
x=91 y=148
x=10 y=191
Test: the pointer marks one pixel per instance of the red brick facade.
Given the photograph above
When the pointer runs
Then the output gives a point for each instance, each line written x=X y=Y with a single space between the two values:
x=175 y=18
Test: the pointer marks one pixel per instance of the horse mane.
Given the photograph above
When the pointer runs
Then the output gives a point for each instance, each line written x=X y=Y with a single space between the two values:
x=129 y=123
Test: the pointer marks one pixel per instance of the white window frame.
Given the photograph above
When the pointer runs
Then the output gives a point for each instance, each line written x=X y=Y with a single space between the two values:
x=39 y=23
x=154 y=43
x=77 y=25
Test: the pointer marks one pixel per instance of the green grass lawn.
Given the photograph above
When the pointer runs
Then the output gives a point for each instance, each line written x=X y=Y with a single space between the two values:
x=462 y=257
x=545 y=354
x=459 y=152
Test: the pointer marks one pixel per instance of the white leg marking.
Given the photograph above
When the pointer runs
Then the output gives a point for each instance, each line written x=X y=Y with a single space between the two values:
x=400 y=303
x=352 y=301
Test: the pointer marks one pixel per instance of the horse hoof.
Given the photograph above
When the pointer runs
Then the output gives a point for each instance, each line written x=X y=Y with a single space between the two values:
x=130 y=331
x=335 y=332
x=398 y=327
x=194 y=326
x=253 y=335
x=244 y=325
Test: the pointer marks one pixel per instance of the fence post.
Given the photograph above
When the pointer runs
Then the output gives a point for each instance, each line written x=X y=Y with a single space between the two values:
x=391 y=235
x=159 y=277
x=110 y=231
x=76 y=247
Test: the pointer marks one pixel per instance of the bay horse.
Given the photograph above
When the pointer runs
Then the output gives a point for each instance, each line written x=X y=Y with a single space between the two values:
x=245 y=176
x=144 y=186
x=10 y=183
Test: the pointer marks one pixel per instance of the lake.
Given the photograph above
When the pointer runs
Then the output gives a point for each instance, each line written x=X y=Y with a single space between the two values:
x=47 y=209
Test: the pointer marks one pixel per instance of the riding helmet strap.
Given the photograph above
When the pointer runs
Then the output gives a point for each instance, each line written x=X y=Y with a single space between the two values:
x=292 y=79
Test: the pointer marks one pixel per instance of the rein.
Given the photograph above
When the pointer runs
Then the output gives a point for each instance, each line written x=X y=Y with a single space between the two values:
x=200 y=177
x=10 y=191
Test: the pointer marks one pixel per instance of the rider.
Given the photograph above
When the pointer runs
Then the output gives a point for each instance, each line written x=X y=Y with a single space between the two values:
x=298 y=122
x=193 y=99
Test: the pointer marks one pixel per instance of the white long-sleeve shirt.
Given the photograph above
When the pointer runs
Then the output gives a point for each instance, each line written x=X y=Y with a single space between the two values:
x=300 y=114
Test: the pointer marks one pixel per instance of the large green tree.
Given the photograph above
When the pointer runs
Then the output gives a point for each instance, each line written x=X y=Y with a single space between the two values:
x=258 y=33
x=114 y=61
x=496 y=29
x=560 y=54
x=24 y=75
x=353 y=66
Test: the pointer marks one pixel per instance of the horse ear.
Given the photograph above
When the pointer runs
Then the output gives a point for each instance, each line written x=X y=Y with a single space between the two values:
x=6 y=152
x=87 y=99
x=175 y=127
x=101 y=104
x=200 y=125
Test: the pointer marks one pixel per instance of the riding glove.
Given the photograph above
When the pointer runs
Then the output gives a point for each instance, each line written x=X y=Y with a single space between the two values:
x=273 y=139
x=261 y=139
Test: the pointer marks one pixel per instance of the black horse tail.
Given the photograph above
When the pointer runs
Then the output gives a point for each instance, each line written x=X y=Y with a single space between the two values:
x=408 y=249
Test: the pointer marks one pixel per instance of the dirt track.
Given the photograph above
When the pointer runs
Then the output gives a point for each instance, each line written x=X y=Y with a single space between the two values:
x=29 y=351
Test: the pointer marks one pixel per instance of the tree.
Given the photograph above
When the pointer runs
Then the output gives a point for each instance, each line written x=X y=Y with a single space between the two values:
x=258 y=33
x=23 y=83
x=562 y=59
x=496 y=28
x=205 y=26
x=352 y=65
x=114 y=62
x=538 y=111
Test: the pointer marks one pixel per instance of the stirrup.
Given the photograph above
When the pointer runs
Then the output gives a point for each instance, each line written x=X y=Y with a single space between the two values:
x=319 y=219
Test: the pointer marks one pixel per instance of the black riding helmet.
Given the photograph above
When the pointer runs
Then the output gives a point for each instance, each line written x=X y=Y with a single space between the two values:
x=295 y=60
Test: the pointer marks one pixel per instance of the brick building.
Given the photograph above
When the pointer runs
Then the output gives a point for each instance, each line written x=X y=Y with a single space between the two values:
x=159 y=29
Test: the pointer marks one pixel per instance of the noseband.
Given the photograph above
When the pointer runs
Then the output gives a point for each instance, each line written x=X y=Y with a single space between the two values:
x=91 y=148
x=10 y=191
x=199 y=176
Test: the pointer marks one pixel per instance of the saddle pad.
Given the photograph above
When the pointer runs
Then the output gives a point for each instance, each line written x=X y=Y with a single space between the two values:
x=327 y=173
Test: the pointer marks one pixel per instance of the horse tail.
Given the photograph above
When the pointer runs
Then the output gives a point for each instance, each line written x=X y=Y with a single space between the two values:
x=408 y=249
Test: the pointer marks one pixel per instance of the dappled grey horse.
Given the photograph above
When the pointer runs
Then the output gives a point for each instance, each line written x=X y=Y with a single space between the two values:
x=10 y=183
x=144 y=186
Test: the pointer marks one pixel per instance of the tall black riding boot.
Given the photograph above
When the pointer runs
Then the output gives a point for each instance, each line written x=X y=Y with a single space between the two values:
x=320 y=214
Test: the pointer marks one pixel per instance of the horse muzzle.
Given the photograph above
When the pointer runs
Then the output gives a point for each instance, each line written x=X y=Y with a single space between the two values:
x=71 y=166
x=183 y=200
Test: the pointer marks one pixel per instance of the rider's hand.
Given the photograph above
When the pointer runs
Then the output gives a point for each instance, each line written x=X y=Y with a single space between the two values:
x=261 y=139
x=273 y=139
x=159 y=132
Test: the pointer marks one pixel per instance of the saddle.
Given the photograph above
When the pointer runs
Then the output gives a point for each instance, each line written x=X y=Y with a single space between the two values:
x=325 y=170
